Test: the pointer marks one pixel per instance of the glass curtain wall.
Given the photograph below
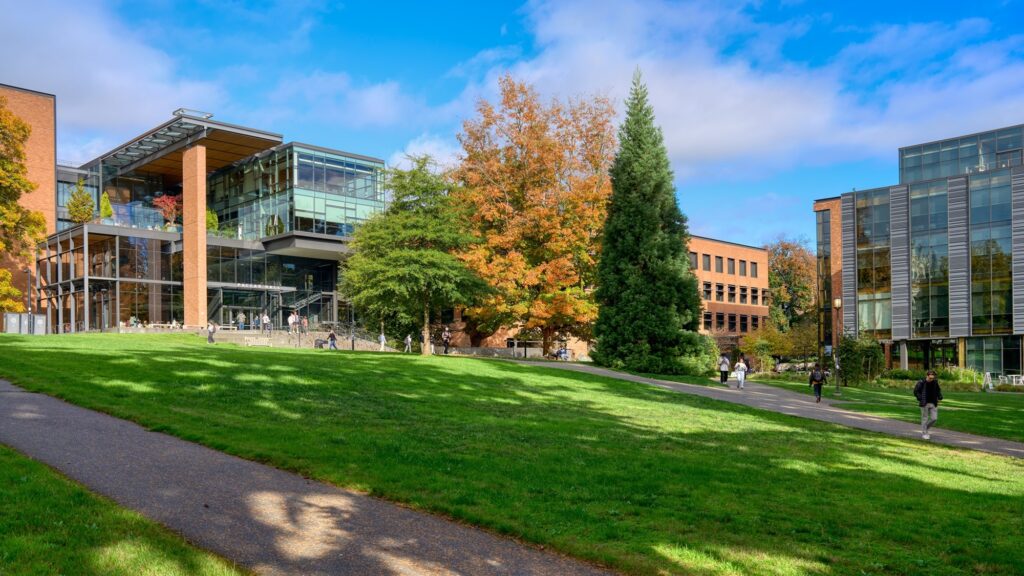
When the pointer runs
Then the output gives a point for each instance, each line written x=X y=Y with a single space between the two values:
x=991 y=253
x=992 y=150
x=998 y=355
x=824 y=261
x=874 y=278
x=929 y=260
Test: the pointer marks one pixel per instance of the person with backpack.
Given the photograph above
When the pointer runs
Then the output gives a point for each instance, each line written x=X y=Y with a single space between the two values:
x=211 y=329
x=408 y=343
x=332 y=340
x=724 y=368
x=446 y=339
x=928 y=394
x=816 y=381
x=741 y=372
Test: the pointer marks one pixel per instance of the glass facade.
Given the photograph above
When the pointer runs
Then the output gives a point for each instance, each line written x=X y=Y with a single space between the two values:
x=824 y=268
x=991 y=254
x=929 y=260
x=874 y=279
x=979 y=153
x=296 y=188
x=998 y=355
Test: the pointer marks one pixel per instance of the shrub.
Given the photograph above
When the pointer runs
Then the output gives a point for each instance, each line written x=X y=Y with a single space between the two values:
x=704 y=361
x=106 y=210
x=860 y=359
x=1009 y=388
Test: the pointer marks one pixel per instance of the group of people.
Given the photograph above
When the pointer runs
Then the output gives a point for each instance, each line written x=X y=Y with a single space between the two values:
x=725 y=367
x=260 y=322
x=298 y=324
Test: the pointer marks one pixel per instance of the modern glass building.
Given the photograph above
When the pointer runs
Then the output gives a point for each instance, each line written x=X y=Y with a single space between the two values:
x=932 y=267
x=284 y=215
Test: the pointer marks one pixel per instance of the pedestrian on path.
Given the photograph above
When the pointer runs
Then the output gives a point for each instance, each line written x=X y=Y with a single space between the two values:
x=332 y=340
x=266 y=322
x=723 y=368
x=211 y=328
x=446 y=339
x=241 y=320
x=383 y=341
x=408 y=343
x=292 y=318
x=817 y=380
x=741 y=372
x=305 y=324
x=928 y=394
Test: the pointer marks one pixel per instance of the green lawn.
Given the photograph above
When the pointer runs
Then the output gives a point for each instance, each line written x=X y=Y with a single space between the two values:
x=50 y=525
x=1000 y=415
x=643 y=479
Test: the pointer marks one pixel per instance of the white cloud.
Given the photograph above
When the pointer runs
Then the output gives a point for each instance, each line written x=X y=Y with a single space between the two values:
x=443 y=151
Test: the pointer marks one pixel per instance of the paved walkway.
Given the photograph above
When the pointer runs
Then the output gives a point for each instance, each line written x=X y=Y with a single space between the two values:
x=796 y=404
x=271 y=521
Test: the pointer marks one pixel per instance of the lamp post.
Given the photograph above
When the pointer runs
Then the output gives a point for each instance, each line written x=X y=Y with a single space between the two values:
x=837 y=304
x=103 y=310
x=28 y=299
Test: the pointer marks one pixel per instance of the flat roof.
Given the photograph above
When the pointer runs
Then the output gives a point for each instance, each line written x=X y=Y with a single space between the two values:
x=333 y=151
x=20 y=89
x=728 y=242
x=972 y=134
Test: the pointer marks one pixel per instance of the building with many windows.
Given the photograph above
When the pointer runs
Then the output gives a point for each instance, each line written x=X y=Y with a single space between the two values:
x=263 y=224
x=932 y=267
x=733 y=282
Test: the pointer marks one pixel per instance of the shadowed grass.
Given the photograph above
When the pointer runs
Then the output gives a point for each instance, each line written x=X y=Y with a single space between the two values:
x=50 y=525
x=643 y=479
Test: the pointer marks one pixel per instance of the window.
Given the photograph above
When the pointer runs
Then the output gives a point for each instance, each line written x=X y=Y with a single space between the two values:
x=718 y=264
x=732 y=266
x=720 y=320
x=753 y=296
x=743 y=322
x=753 y=322
x=743 y=294
x=732 y=322
x=732 y=294
x=753 y=269
x=991 y=254
x=929 y=259
x=707 y=291
x=719 y=292
x=693 y=260
x=707 y=321
x=743 y=267
x=707 y=262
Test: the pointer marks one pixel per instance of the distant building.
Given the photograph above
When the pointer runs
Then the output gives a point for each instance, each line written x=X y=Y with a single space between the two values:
x=733 y=281
x=932 y=267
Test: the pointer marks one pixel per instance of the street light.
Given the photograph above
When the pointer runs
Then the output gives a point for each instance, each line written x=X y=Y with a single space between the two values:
x=28 y=298
x=838 y=305
x=103 y=310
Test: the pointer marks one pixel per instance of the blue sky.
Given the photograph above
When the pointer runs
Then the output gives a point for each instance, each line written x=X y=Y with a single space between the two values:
x=765 y=105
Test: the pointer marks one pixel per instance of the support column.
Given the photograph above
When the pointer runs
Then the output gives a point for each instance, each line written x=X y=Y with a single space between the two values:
x=194 y=234
x=904 y=360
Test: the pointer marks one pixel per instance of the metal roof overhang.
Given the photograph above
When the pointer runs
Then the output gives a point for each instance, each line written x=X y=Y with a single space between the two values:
x=160 y=150
x=308 y=245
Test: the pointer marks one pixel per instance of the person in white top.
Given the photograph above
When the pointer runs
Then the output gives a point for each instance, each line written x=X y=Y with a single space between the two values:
x=741 y=372
x=723 y=368
x=408 y=343
x=292 y=318
x=383 y=340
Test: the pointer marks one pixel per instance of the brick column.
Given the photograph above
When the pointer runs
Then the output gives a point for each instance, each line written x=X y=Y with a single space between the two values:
x=194 y=234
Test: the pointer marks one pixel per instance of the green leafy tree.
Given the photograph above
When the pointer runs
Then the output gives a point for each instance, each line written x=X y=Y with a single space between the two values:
x=860 y=359
x=647 y=293
x=791 y=280
x=403 y=267
x=106 y=210
x=11 y=299
x=212 y=222
x=81 y=206
x=20 y=228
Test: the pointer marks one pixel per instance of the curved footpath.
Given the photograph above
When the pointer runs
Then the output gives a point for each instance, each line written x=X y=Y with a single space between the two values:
x=265 y=519
x=803 y=406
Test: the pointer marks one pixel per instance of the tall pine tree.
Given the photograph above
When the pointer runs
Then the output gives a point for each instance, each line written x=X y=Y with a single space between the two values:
x=649 y=304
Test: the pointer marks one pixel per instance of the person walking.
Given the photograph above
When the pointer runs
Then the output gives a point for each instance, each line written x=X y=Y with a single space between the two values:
x=446 y=339
x=211 y=328
x=383 y=341
x=928 y=394
x=241 y=320
x=723 y=368
x=266 y=322
x=305 y=324
x=292 y=318
x=816 y=380
x=741 y=372
x=332 y=340
x=408 y=343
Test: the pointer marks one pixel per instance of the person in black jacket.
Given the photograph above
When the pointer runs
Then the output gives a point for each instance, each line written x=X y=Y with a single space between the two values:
x=928 y=394
x=816 y=380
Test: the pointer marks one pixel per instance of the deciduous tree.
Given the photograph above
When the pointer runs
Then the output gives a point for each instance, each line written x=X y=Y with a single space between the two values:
x=648 y=295
x=11 y=299
x=791 y=279
x=403 y=266
x=169 y=206
x=535 y=187
x=20 y=228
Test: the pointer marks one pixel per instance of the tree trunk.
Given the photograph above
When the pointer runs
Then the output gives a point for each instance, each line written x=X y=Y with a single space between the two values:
x=547 y=336
x=425 y=347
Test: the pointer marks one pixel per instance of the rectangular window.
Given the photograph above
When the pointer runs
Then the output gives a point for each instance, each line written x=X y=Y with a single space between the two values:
x=732 y=294
x=720 y=320
x=707 y=321
x=743 y=294
x=743 y=267
x=707 y=262
x=732 y=322
x=732 y=266
x=753 y=296
x=743 y=322
x=719 y=292
x=753 y=269
x=718 y=264
x=707 y=291
x=693 y=260
x=753 y=322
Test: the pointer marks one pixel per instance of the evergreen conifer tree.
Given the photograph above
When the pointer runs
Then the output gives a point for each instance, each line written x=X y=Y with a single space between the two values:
x=81 y=207
x=648 y=295
x=106 y=210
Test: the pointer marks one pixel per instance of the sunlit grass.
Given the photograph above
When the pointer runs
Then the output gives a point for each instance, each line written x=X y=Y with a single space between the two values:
x=643 y=479
x=49 y=525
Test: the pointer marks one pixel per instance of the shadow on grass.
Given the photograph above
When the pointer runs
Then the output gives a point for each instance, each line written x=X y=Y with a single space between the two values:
x=633 y=476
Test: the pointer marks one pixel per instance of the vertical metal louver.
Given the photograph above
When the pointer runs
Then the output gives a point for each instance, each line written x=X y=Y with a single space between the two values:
x=899 y=260
x=849 y=228
x=1017 y=189
x=959 y=259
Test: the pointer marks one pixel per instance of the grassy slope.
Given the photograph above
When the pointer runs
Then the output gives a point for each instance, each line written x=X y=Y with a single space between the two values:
x=998 y=415
x=643 y=479
x=50 y=525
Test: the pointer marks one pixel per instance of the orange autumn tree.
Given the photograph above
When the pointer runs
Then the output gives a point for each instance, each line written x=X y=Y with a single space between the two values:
x=535 y=187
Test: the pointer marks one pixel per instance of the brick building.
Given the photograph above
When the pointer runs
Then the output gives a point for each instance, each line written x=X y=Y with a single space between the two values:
x=733 y=282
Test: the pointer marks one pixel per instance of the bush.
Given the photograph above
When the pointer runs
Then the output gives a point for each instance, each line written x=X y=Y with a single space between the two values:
x=945 y=375
x=704 y=361
x=1009 y=388
x=860 y=359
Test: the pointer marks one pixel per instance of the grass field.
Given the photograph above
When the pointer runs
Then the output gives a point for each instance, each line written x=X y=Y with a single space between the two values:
x=50 y=525
x=642 y=479
x=1000 y=415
